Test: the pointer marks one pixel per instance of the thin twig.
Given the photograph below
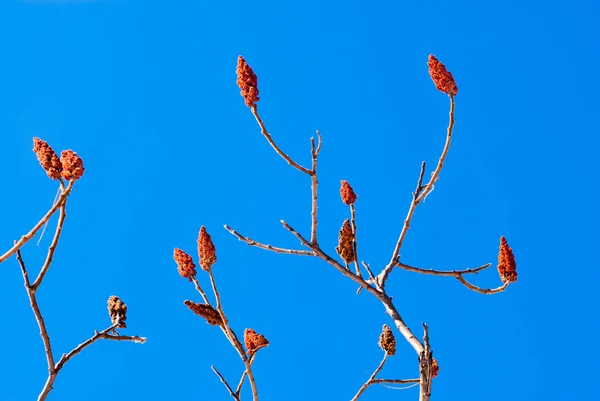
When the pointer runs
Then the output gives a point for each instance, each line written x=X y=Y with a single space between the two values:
x=274 y=145
x=251 y=242
x=38 y=314
x=486 y=291
x=200 y=290
x=425 y=363
x=313 y=187
x=395 y=381
x=25 y=238
x=241 y=383
x=371 y=379
x=420 y=193
x=447 y=273
x=103 y=335
x=354 y=243
x=53 y=245
x=234 y=395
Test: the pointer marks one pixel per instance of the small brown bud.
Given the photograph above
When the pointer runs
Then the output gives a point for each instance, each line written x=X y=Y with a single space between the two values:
x=345 y=246
x=48 y=158
x=347 y=193
x=435 y=368
x=212 y=316
x=247 y=81
x=254 y=341
x=72 y=165
x=206 y=250
x=442 y=78
x=117 y=311
x=185 y=264
x=507 y=267
x=387 y=342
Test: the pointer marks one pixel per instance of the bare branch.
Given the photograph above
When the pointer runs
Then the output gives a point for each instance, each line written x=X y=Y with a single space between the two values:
x=395 y=381
x=25 y=238
x=370 y=381
x=251 y=242
x=314 y=151
x=487 y=291
x=354 y=243
x=274 y=145
x=448 y=273
x=234 y=395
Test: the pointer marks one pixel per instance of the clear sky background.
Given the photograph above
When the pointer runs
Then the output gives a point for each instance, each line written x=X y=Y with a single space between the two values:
x=145 y=92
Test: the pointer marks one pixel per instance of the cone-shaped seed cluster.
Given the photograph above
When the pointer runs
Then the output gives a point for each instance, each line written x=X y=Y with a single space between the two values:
x=117 y=311
x=185 y=264
x=206 y=250
x=507 y=267
x=247 y=81
x=254 y=341
x=345 y=246
x=48 y=158
x=435 y=368
x=212 y=316
x=442 y=78
x=387 y=342
x=347 y=193
x=72 y=165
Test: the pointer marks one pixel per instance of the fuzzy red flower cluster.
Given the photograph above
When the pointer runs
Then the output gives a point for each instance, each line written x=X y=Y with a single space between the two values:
x=254 y=341
x=185 y=264
x=347 y=193
x=70 y=166
x=507 y=267
x=247 y=81
x=442 y=78
x=206 y=250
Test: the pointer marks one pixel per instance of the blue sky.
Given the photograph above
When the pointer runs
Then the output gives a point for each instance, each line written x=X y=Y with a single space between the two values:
x=145 y=92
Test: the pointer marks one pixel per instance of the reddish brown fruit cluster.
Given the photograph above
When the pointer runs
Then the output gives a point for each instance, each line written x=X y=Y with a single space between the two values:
x=507 y=267
x=48 y=158
x=442 y=78
x=435 y=368
x=206 y=250
x=117 y=311
x=345 y=246
x=212 y=316
x=254 y=341
x=347 y=193
x=387 y=342
x=185 y=264
x=72 y=165
x=247 y=81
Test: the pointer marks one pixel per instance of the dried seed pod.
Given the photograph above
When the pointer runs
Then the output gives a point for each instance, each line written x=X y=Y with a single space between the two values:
x=347 y=193
x=435 y=368
x=507 y=267
x=254 y=341
x=48 y=158
x=345 y=246
x=247 y=81
x=442 y=78
x=212 y=316
x=185 y=264
x=117 y=311
x=387 y=342
x=206 y=250
x=72 y=165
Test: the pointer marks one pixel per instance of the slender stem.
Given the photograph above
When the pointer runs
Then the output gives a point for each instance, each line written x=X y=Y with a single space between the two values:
x=448 y=273
x=371 y=379
x=354 y=243
x=486 y=291
x=252 y=242
x=266 y=134
x=25 y=238
x=395 y=381
x=234 y=395
x=53 y=245
x=313 y=187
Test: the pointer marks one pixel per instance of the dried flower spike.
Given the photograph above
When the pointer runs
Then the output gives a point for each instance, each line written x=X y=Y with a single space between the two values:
x=254 y=341
x=206 y=250
x=72 y=165
x=117 y=311
x=387 y=342
x=345 y=246
x=435 y=368
x=442 y=78
x=48 y=158
x=247 y=81
x=185 y=264
x=347 y=193
x=507 y=267
x=212 y=316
